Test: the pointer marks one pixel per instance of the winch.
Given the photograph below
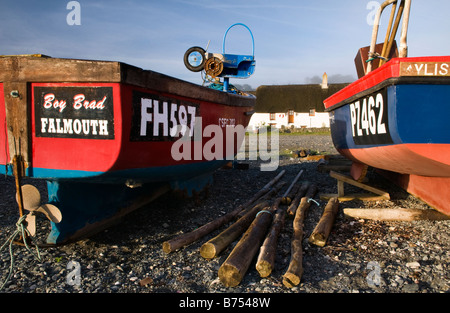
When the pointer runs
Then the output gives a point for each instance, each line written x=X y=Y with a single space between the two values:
x=224 y=65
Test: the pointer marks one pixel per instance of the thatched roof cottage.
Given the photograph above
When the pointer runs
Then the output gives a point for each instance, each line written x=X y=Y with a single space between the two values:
x=299 y=106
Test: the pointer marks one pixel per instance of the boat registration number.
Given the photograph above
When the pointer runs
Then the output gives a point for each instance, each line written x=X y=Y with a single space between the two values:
x=158 y=118
x=369 y=120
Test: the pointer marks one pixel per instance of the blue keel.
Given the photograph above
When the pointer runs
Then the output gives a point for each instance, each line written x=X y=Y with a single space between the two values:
x=88 y=207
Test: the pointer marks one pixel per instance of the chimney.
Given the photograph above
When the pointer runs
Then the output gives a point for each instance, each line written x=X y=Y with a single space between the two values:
x=325 y=81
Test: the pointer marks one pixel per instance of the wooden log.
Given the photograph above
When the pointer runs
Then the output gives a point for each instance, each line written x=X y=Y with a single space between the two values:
x=310 y=193
x=188 y=238
x=286 y=199
x=316 y=157
x=312 y=190
x=266 y=258
x=322 y=230
x=264 y=191
x=294 y=273
x=216 y=245
x=396 y=214
x=266 y=197
x=295 y=202
x=305 y=202
x=236 y=265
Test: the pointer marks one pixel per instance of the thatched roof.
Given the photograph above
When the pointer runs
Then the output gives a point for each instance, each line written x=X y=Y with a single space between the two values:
x=300 y=98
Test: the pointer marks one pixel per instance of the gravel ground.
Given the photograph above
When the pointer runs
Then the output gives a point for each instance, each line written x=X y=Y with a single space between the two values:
x=361 y=256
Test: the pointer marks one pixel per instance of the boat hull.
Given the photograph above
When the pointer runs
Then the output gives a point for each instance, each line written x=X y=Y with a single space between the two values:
x=106 y=134
x=396 y=119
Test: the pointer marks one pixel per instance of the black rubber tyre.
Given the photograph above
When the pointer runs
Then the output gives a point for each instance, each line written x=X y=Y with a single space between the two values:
x=196 y=68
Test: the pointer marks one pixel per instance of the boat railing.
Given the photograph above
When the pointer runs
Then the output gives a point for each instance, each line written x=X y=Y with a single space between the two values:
x=404 y=9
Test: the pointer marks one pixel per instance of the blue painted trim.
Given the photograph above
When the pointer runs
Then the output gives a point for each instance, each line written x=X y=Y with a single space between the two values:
x=417 y=114
x=150 y=174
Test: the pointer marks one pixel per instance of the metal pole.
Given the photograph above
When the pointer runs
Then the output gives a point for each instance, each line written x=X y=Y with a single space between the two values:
x=376 y=26
x=403 y=53
x=226 y=83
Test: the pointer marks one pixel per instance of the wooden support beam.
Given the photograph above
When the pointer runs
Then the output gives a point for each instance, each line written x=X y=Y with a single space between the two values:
x=347 y=179
x=352 y=196
x=323 y=168
x=334 y=163
x=18 y=117
x=341 y=179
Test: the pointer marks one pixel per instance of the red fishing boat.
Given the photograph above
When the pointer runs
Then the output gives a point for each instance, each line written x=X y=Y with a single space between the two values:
x=107 y=137
x=395 y=116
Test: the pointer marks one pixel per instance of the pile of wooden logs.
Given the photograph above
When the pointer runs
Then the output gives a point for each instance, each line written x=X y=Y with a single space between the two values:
x=188 y=238
x=258 y=223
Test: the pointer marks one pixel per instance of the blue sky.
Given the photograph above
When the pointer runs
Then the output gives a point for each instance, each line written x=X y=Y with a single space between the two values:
x=295 y=40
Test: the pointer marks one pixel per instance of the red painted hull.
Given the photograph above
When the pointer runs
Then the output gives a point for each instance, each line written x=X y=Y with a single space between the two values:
x=432 y=190
x=65 y=141
x=418 y=159
x=122 y=153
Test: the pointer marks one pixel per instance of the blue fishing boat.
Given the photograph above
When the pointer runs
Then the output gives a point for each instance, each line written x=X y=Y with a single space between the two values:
x=395 y=116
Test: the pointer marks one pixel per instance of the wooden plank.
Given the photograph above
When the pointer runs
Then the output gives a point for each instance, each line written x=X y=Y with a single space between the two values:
x=18 y=120
x=396 y=214
x=340 y=187
x=324 y=168
x=352 y=196
x=317 y=157
x=39 y=69
x=427 y=69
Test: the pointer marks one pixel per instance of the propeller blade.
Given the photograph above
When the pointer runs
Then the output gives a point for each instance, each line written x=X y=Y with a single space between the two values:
x=31 y=223
x=31 y=197
x=51 y=211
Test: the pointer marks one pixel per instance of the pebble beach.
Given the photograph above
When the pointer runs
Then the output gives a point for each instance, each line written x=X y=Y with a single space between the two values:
x=360 y=256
